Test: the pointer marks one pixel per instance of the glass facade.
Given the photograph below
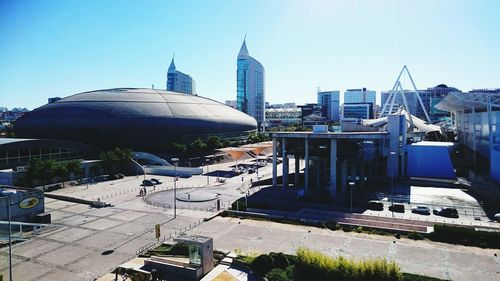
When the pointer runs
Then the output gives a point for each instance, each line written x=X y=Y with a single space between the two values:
x=329 y=102
x=357 y=111
x=250 y=89
x=358 y=95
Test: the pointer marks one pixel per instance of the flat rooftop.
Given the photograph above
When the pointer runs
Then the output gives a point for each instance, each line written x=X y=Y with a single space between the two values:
x=332 y=135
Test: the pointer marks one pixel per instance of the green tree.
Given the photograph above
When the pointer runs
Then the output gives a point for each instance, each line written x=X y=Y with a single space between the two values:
x=73 y=167
x=112 y=159
x=61 y=172
x=179 y=147
x=42 y=170
x=214 y=142
x=198 y=145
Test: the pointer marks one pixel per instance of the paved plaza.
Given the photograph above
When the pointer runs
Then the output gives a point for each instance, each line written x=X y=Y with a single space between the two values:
x=420 y=257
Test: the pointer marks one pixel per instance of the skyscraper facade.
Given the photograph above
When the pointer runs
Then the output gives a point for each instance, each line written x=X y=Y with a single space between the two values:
x=329 y=101
x=250 y=93
x=178 y=81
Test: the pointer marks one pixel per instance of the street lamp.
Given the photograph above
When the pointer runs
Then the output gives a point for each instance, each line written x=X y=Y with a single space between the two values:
x=10 y=236
x=174 y=162
x=208 y=177
x=351 y=186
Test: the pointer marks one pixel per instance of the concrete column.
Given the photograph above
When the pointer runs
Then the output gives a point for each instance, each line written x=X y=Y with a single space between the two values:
x=490 y=127
x=343 y=177
x=275 y=163
x=333 y=167
x=306 y=171
x=474 y=136
x=297 y=170
x=285 y=162
x=317 y=171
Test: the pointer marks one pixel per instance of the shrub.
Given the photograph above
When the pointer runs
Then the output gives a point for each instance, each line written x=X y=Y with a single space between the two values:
x=280 y=260
x=262 y=264
x=347 y=228
x=277 y=274
x=290 y=272
x=415 y=236
x=316 y=266
x=332 y=225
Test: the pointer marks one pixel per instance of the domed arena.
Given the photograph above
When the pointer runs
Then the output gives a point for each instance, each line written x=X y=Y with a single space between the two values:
x=140 y=119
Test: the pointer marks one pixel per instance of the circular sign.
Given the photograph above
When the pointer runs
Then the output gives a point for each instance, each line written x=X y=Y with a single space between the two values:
x=28 y=202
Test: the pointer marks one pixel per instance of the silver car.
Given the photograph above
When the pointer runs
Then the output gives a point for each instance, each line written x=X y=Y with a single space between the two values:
x=423 y=210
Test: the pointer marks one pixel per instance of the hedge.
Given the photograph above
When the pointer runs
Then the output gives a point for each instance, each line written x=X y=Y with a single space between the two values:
x=465 y=236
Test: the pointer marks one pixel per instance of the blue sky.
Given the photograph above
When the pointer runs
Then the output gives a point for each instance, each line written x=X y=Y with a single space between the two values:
x=59 y=48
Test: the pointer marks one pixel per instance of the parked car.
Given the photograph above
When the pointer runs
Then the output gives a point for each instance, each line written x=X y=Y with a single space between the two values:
x=398 y=208
x=423 y=210
x=497 y=217
x=446 y=212
x=147 y=183
x=251 y=171
x=375 y=205
x=156 y=181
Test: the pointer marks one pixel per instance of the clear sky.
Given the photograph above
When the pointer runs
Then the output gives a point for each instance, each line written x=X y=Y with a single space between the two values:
x=59 y=48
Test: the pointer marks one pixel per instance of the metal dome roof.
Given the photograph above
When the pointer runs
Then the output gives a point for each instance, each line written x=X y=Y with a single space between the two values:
x=133 y=117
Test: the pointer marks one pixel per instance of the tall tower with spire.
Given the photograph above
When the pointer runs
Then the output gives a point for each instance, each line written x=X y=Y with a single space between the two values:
x=178 y=81
x=250 y=93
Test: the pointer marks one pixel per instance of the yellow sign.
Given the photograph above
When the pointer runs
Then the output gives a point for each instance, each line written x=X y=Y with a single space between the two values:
x=157 y=231
x=28 y=202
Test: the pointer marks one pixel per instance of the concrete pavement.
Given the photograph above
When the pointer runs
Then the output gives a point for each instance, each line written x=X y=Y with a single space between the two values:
x=428 y=258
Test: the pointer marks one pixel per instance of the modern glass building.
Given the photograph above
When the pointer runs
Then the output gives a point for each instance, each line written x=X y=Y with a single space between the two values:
x=356 y=111
x=178 y=81
x=359 y=95
x=250 y=93
x=329 y=102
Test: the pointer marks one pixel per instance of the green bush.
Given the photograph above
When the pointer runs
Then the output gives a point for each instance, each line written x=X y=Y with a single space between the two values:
x=465 y=236
x=277 y=274
x=415 y=236
x=316 y=266
x=290 y=272
x=262 y=264
x=279 y=260
x=347 y=228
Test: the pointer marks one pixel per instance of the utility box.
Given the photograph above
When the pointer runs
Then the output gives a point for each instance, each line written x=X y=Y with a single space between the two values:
x=201 y=251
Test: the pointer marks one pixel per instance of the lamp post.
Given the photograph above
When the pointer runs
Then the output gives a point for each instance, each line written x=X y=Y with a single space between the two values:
x=351 y=186
x=7 y=198
x=174 y=162
x=208 y=177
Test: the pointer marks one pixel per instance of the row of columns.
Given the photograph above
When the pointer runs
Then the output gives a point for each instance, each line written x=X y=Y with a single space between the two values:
x=285 y=167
